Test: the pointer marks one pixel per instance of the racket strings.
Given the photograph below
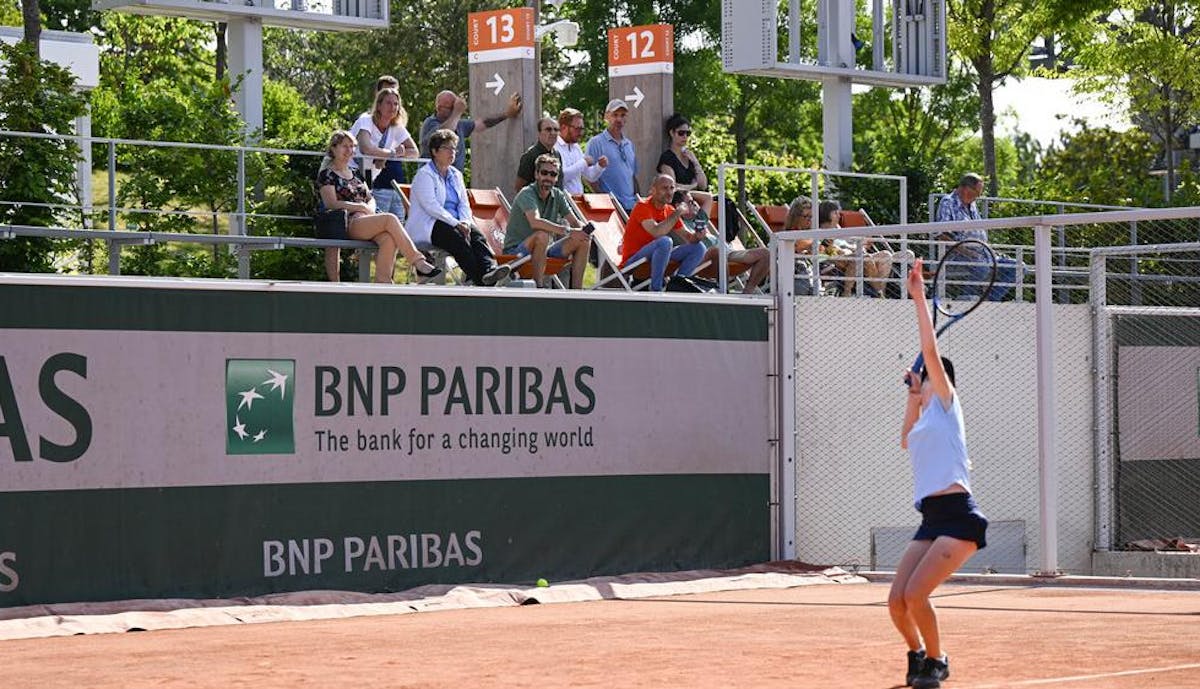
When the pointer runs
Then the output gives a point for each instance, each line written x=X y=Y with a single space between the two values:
x=964 y=277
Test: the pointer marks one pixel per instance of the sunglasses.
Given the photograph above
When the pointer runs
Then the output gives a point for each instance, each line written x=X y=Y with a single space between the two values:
x=550 y=129
x=683 y=132
x=548 y=173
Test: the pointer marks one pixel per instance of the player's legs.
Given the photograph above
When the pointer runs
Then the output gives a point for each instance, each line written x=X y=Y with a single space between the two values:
x=939 y=561
x=897 y=606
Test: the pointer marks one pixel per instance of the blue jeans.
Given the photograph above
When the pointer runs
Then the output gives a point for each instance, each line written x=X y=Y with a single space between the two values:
x=1008 y=273
x=388 y=201
x=660 y=253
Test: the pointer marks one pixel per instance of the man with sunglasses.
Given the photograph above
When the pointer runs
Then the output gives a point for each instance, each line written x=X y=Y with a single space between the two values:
x=620 y=177
x=577 y=165
x=547 y=135
x=542 y=225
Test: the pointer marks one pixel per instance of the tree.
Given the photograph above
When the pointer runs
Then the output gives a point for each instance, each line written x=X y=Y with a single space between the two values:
x=336 y=72
x=916 y=133
x=1147 y=52
x=995 y=38
x=31 y=16
x=37 y=97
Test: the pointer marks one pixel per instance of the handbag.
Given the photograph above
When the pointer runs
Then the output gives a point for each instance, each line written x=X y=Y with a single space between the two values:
x=331 y=224
x=690 y=284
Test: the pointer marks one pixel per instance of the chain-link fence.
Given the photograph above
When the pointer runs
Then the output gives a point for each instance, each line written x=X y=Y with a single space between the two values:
x=1148 y=407
x=1029 y=377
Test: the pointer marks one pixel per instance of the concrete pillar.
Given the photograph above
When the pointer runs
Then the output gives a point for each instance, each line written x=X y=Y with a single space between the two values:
x=501 y=60
x=641 y=72
x=835 y=49
x=243 y=36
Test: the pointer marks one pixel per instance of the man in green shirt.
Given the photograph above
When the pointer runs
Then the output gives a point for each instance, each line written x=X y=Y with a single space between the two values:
x=542 y=225
x=547 y=136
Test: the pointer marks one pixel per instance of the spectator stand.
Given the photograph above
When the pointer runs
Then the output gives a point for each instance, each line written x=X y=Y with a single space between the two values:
x=821 y=184
x=239 y=238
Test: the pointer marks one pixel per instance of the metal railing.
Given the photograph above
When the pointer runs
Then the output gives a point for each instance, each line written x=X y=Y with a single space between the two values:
x=239 y=220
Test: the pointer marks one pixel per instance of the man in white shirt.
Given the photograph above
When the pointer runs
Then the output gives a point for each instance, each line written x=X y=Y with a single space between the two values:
x=577 y=166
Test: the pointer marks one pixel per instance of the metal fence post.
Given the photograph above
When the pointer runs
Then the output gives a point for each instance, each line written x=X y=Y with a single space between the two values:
x=1102 y=402
x=783 y=287
x=240 y=218
x=1047 y=432
x=112 y=185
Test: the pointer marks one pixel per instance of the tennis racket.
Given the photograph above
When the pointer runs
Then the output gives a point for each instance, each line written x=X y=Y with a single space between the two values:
x=963 y=280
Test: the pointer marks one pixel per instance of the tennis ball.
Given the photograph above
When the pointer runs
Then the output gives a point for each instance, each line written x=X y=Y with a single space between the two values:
x=542 y=583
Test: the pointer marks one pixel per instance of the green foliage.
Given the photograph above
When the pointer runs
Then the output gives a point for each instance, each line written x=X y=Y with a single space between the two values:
x=336 y=72
x=10 y=13
x=68 y=15
x=35 y=97
x=916 y=133
x=173 y=178
x=1101 y=166
x=1146 y=54
x=136 y=49
x=289 y=123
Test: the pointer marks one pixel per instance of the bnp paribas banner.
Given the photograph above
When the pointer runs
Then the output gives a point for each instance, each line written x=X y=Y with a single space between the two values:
x=206 y=440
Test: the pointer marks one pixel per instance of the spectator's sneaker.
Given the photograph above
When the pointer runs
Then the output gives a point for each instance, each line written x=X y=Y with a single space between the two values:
x=495 y=276
x=933 y=671
x=915 y=659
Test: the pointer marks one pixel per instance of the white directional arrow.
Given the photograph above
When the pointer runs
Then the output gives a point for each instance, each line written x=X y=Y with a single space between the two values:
x=497 y=86
x=637 y=97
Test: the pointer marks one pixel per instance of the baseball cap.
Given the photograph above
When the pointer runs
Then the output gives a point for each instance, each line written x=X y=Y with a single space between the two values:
x=615 y=105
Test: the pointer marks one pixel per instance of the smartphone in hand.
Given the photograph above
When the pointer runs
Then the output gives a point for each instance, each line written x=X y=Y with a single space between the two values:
x=589 y=228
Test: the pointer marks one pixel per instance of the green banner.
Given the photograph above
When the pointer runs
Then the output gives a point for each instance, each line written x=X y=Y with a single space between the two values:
x=224 y=541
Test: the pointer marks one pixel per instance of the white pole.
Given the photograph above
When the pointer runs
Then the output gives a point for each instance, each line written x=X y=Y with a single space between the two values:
x=783 y=287
x=1102 y=402
x=1047 y=460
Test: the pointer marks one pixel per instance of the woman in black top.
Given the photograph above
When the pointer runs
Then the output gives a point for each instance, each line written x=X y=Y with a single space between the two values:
x=680 y=162
x=341 y=189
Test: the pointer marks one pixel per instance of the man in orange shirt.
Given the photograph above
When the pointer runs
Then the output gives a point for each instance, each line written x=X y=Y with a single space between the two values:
x=648 y=234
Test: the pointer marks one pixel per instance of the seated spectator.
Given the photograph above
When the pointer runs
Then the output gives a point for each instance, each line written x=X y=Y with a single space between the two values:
x=441 y=213
x=547 y=136
x=959 y=205
x=877 y=265
x=681 y=163
x=382 y=133
x=577 y=166
x=542 y=225
x=647 y=235
x=800 y=217
x=758 y=258
x=341 y=189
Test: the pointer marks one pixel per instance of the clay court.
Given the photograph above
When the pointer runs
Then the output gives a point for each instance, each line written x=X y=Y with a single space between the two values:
x=821 y=635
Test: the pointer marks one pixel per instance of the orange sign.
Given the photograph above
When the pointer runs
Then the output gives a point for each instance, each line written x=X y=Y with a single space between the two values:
x=641 y=45
x=500 y=29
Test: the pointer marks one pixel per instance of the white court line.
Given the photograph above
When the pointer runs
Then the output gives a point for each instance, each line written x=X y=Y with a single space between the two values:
x=1084 y=678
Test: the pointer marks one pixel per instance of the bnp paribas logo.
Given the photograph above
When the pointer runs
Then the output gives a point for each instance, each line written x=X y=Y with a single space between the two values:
x=258 y=406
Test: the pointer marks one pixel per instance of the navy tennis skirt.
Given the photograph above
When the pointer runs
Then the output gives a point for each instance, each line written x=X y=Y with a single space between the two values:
x=955 y=515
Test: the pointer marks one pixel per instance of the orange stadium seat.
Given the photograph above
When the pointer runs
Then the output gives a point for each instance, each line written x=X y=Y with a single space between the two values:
x=491 y=211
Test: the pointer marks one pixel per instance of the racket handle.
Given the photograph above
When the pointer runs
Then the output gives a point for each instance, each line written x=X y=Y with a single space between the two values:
x=916 y=367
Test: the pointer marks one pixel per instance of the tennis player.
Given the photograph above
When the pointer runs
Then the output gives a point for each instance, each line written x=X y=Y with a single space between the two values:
x=952 y=527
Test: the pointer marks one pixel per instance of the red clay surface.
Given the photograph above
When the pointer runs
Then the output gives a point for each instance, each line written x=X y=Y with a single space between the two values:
x=813 y=636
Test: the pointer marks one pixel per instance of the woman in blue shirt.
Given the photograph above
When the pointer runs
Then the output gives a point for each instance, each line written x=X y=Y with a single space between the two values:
x=952 y=527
